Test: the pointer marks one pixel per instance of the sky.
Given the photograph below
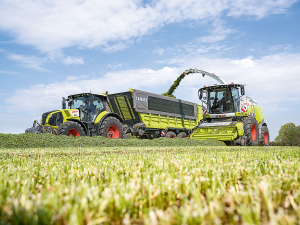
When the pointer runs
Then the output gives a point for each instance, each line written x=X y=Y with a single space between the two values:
x=51 y=49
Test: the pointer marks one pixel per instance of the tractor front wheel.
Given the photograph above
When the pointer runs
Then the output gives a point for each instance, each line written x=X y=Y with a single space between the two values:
x=71 y=128
x=251 y=130
x=111 y=128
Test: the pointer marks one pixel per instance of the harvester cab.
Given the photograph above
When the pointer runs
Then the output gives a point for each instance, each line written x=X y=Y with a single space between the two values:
x=221 y=99
x=229 y=115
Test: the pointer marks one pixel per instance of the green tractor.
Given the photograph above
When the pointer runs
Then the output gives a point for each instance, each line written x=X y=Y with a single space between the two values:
x=87 y=114
x=229 y=115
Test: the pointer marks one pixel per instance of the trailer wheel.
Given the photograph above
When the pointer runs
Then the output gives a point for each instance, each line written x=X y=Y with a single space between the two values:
x=182 y=135
x=71 y=128
x=265 y=136
x=251 y=130
x=170 y=134
x=111 y=128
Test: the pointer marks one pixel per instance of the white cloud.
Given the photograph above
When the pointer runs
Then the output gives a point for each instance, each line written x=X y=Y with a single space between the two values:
x=245 y=63
x=159 y=51
x=72 y=60
x=47 y=97
x=8 y=72
x=272 y=81
x=33 y=62
x=54 y=24
x=30 y=62
x=218 y=33
x=115 y=65
x=259 y=8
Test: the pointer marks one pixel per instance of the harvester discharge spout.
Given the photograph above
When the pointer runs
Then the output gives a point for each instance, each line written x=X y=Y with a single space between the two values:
x=212 y=75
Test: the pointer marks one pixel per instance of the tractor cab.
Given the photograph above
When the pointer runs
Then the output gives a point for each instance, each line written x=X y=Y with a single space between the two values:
x=221 y=99
x=87 y=105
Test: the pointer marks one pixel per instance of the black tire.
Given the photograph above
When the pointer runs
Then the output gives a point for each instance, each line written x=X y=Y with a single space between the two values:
x=251 y=130
x=71 y=128
x=182 y=135
x=111 y=127
x=265 y=136
x=170 y=134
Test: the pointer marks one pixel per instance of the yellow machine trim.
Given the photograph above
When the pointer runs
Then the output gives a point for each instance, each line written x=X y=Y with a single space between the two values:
x=200 y=113
x=118 y=108
x=163 y=122
x=100 y=116
x=111 y=108
x=130 y=108
x=123 y=107
x=66 y=115
x=258 y=111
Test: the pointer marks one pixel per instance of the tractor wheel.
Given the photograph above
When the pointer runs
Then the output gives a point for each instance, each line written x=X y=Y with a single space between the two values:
x=251 y=130
x=182 y=135
x=265 y=136
x=111 y=128
x=170 y=134
x=71 y=128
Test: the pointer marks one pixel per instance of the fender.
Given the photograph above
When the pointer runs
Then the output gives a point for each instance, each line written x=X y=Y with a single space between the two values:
x=103 y=115
x=81 y=123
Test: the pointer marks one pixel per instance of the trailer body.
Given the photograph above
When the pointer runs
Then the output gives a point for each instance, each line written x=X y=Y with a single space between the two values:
x=151 y=115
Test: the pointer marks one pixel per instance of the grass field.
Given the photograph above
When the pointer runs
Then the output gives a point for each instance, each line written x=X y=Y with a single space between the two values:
x=150 y=185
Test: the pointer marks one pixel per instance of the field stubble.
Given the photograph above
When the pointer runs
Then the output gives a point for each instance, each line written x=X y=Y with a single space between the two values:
x=150 y=185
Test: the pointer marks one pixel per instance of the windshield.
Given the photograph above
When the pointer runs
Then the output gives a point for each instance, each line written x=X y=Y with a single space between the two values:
x=220 y=101
x=89 y=106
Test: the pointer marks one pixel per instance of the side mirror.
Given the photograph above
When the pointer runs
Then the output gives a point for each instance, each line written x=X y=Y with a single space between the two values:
x=242 y=90
x=200 y=94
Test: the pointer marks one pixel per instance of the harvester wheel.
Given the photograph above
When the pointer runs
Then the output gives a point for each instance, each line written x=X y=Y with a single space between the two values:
x=71 y=128
x=170 y=134
x=265 y=136
x=111 y=128
x=251 y=130
x=181 y=135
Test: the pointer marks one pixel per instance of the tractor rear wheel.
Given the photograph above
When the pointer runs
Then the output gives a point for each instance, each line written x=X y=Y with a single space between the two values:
x=251 y=130
x=170 y=134
x=181 y=135
x=71 y=128
x=111 y=128
x=265 y=136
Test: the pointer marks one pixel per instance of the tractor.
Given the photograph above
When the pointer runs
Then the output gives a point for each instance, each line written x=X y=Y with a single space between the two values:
x=229 y=115
x=87 y=114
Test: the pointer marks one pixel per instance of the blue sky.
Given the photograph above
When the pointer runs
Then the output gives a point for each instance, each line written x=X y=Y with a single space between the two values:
x=50 y=49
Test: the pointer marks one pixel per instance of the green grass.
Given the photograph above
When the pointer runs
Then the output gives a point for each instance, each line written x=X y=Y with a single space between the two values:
x=150 y=185
x=30 y=140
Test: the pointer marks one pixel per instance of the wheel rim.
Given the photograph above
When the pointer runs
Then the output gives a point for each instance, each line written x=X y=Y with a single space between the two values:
x=113 y=132
x=266 y=138
x=73 y=132
x=253 y=132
